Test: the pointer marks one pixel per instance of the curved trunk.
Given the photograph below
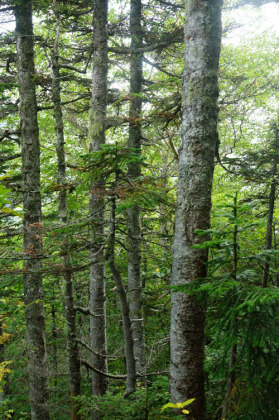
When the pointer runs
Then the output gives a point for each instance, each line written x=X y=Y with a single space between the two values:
x=124 y=307
x=196 y=165
x=32 y=223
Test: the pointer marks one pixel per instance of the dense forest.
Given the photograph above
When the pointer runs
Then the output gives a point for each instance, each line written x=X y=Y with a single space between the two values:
x=139 y=266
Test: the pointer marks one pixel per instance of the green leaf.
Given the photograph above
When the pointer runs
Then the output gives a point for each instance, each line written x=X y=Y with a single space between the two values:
x=168 y=405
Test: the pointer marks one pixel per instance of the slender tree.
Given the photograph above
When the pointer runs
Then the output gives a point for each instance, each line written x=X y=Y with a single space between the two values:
x=134 y=170
x=124 y=306
x=97 y=136
x=233 y=349
x=196 y=165
x=72 y=346
x=32 y=224
x=271 y=203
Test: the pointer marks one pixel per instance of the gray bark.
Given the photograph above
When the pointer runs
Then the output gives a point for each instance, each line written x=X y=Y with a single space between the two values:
x=54 y=340
x=134 y=171
x=233 y=349
x=70 y=314
x=32 y=225
x=97 y=138
x=124 y=306
x=268 y=237
x=196 y=165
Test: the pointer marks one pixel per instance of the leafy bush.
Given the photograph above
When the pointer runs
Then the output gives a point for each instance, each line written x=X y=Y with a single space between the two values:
x=145 y=403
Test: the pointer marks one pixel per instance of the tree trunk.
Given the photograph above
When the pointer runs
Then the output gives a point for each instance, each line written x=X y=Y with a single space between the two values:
x=97 y=138
x=268 y=237
x=134 y=171
x=272 y=194
x=196 y=166
x=72 y=346
x=230 y=380
x=54 y=341
x=124 y=306
x=233 y=349
x=32 y=224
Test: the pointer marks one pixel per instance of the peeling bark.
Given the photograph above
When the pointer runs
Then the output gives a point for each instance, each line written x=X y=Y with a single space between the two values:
x=196 y=165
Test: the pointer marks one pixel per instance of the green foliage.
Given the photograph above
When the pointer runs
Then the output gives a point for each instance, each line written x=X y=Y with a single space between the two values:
x=242 y=313
x=144 y=403
x=239 y=310
x=179 y=406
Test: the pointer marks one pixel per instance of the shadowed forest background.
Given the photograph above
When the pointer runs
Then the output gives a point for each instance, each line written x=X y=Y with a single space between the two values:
x=93 y=108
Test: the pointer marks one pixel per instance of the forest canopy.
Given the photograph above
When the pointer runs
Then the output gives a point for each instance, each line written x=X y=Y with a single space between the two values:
x=139 y=152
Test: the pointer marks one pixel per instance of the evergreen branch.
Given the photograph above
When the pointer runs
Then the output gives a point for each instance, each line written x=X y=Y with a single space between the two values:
x=43 y=108
x=5 y=159
x=177 y=37
x=160 y=68
x=69 y=67
x=6 y=134
x=175 y=6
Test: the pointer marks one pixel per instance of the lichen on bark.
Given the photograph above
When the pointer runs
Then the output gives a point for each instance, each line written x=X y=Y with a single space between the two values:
x=196 y=165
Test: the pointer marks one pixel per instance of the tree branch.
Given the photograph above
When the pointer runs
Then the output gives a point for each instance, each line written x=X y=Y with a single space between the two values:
x=85 y=311
x=108 y=375
x=6 y=134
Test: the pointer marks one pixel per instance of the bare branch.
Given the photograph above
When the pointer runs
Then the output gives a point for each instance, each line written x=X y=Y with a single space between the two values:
x=85 y=311
x=108 y=375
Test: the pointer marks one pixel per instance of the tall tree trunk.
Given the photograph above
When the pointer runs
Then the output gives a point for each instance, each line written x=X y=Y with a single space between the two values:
x=32 y=224
x=97 y=136
x=54 y=340
x=233 y=349
x=275 y=247
x=268 y=236
x=196 y=167
x=272 y=194
x=134 y=171
x=72 y=346
x=124 y=306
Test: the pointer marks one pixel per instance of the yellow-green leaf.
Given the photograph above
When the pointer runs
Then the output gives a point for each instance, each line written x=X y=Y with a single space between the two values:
x=188 y=402
x=169 y=405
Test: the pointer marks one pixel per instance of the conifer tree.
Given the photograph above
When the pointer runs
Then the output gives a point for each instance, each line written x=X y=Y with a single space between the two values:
x=70 y=315
x=97 y=137
x=196 y=166
x=134 y=171
x=33 y=228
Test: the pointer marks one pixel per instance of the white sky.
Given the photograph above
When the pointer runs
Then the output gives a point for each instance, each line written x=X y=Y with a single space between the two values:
x=254 y=21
